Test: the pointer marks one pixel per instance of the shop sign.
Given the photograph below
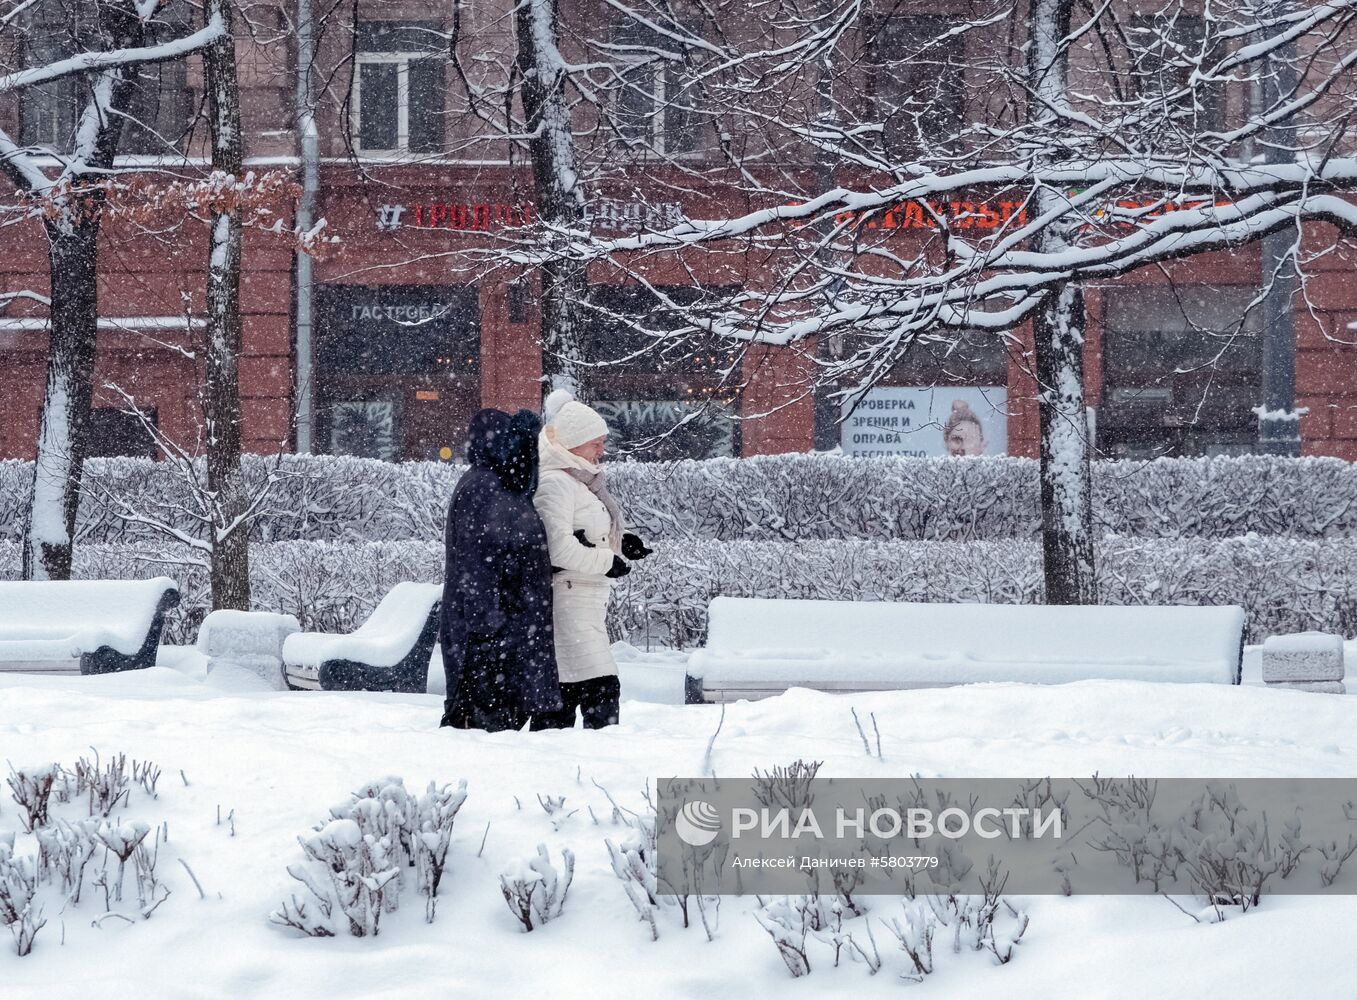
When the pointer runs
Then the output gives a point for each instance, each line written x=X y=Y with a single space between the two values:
x=606 y=214
x=634 y=216
x=937 y=214
x=900 y=422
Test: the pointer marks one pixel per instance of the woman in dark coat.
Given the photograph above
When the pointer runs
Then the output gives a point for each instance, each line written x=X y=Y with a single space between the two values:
x=498 y=651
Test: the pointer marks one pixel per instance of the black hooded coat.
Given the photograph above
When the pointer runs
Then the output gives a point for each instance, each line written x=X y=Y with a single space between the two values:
x=498 y=652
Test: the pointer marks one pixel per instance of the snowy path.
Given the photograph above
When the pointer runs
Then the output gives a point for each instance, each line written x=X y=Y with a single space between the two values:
x=279 y=760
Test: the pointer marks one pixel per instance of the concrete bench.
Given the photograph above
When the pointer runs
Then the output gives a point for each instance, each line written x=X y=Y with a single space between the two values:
x=390 y=651
x=757 y=648
x=82 y=626
x=247 y=640
x=1306 y=661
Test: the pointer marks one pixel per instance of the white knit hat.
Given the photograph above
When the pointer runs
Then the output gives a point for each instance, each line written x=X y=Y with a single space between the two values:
x=571 y=422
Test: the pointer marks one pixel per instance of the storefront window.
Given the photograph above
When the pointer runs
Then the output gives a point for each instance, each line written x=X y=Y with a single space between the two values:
x=117 y=433
x=398 y=87
x=364 y=428
x=664 y=399
x=666 y=430
x=1181 y=370
x=397 y=369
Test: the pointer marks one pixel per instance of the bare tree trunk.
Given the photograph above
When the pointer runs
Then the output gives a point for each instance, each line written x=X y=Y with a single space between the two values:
x=221 y=398
x=558 y=194
x=1066 y=477
x=73 y=245
x=1066 y=481
x=63 y=437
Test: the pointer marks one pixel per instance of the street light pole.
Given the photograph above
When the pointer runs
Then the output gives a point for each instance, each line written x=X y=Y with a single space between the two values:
x=1278 y=421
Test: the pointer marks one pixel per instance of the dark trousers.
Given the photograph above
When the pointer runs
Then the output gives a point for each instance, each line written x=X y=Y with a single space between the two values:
x=491 y=707
x=596 y=699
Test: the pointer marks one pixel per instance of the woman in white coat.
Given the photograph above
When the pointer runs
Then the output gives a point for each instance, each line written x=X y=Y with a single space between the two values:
x=586 y=539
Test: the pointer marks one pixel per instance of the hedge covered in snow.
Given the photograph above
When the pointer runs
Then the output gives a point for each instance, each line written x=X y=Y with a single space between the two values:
x=770 y=498
x=1286 y=585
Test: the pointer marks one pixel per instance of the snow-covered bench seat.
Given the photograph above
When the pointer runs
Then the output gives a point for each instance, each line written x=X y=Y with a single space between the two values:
x=82 y=626
x=388 y=652
x=757 y=648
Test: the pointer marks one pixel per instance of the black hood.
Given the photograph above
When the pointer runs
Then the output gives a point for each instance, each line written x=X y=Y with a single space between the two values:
x=507 y=446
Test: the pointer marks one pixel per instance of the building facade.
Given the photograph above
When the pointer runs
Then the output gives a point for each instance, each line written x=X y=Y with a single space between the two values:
x=420 y=316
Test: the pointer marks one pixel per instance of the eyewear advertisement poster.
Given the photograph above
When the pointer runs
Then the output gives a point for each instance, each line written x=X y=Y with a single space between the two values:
x=915 y=422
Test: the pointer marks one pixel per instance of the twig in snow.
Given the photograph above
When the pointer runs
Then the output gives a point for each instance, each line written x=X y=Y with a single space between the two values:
x=866 y=747
x=877 y=732
x=711 y=743
x=99 y=920
x=1176 y=903
x=483 y=836
x=197 y=884
x=184 y=776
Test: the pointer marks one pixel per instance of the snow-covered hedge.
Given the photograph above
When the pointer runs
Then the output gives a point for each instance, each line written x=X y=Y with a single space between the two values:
x=770 y=498
x=1285 y=584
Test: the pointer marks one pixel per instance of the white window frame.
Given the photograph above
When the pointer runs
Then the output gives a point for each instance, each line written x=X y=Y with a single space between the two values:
x=402 y=61
x=659 y=94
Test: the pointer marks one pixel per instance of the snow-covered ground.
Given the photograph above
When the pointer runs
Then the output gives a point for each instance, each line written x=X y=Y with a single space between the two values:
x=280 y=760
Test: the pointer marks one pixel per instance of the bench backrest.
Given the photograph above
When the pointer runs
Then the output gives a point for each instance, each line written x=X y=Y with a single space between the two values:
x=403 y=610
x=1154 y=642
x=94 y=613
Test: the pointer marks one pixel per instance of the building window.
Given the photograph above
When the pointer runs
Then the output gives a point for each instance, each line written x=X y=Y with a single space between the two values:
x=162 y=103
x=1181 y=372
x=398 y=87
x=48 y=112
x=116 y=433
x=915 y=84
x=654 y=106
x=1165 y=52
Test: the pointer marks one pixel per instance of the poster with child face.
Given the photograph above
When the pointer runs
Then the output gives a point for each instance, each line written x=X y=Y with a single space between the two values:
x=910 y=422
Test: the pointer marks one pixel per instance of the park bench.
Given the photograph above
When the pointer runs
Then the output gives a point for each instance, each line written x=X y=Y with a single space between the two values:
x=757 y=648
x=390 y=651
x=82 y=626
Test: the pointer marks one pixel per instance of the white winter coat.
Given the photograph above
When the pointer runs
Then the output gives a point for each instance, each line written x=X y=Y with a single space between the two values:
x=580 y=590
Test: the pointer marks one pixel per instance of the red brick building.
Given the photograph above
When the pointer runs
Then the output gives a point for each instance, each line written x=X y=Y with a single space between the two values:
x=413 y=330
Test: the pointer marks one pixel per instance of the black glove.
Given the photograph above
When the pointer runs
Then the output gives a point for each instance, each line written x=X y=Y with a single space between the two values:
x=633 y=547
x=579 y=533
x=620 y=568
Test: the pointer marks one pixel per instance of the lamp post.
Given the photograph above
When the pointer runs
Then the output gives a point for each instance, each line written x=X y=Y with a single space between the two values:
x=1278 y=421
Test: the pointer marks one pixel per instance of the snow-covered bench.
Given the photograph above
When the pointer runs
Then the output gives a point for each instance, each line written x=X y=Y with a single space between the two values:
x=388 y=652
x=82 y=626
x=757 y=648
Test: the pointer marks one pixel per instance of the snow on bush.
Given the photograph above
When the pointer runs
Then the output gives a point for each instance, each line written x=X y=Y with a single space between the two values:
x=1284 y=584
x=355 y=862
x=19 y=912
x=67 y=847
x=31 y=789
x=534 y=890
x=635 y=863
x=1225 y=851
x=793 y=497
